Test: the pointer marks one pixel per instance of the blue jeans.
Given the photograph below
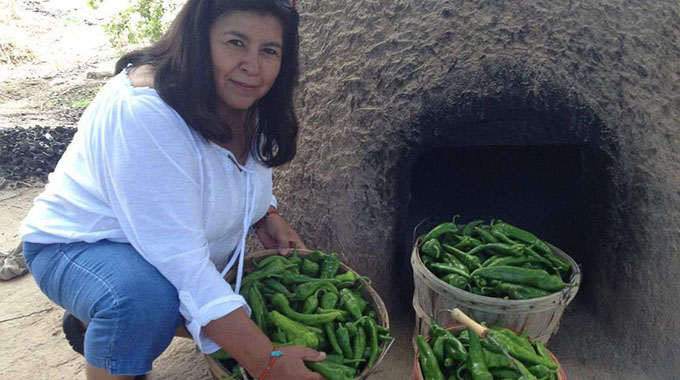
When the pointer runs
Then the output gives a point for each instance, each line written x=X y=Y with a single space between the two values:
x=131 y=309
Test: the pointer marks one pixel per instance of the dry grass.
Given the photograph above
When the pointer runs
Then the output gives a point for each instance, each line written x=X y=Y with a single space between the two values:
x=8 y=11
x=12 y=54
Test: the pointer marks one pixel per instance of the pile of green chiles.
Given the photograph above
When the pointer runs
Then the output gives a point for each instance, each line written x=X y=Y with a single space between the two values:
x=446 y=356
x=494 y=260
x=304 y=300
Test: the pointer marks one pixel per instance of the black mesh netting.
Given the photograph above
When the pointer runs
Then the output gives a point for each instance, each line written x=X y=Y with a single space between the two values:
x=32 y=153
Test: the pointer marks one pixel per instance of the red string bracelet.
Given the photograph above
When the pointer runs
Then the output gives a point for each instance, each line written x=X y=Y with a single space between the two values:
x=273 y=356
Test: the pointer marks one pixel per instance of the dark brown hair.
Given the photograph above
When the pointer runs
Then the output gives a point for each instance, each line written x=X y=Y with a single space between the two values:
x=184 y=76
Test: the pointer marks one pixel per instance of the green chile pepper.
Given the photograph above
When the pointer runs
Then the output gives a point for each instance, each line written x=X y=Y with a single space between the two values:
x=332 y=371
x=431 y=248
x=494 y=261
x=348 y=277
x=352 y=327
x=496 y=360
x=539 y=258
x=435 y=331
x=518 y=351
x=521 y=292
x=486 y=235
x=438 y=350
x=465 y=242
x=452 y=260
x=531 y=239
x=281 y=303
x=316 y=256
x=519 y=340
x=501 y=237
x=329 y=300
x=277 y=286
x=342 y=335
x=329 y=266
x=483 y=291
x=523 y=276
x=257 y=306
x=275 y=268
x=470 y=226
x=323 y=341
x=449 y=346
x=513 y=250
x=540 y=371
x=476 y=362
x=351 y=302
x=441 y=229
x=309 y=268
x=343 y=315
x=429 y=366
x=443 y=269
x=456 y=280
x=269 y=259
x=427 y=260
x=295 y=257
x=543 y=352
x=372 y=330
x=332 y=339
x=359 y=344
x=311 y=303
x=339 y=359
x=305 y=290
x=521 y=235
x=471 y=262
x=295 y=332
x=505 y=373
x=290 y=278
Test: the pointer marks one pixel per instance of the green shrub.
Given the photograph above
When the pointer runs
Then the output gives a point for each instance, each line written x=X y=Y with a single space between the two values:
x=142 y=22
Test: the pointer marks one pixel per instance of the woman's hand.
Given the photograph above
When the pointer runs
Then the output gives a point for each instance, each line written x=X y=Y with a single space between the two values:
x=238 y=335
x=275 y=233
x=291 y=364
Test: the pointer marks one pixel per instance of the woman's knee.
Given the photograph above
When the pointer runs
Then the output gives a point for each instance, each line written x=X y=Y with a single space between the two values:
x=152 y=306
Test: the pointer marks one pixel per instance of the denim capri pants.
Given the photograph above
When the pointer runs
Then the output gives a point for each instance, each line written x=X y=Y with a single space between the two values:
x=132 y=311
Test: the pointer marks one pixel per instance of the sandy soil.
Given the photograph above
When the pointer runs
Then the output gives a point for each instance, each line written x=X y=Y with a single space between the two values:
x=47 y=49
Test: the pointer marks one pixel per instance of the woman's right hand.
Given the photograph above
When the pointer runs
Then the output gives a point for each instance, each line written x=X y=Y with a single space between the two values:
x=291 y=366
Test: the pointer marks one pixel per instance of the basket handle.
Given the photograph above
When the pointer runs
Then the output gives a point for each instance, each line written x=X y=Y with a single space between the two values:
x=415 y=229
x=461 y=317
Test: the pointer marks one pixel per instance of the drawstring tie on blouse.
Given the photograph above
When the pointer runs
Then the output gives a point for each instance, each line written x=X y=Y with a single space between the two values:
x=241 y=250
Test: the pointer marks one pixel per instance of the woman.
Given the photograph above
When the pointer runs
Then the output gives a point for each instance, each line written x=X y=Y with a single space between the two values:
x=151 y=203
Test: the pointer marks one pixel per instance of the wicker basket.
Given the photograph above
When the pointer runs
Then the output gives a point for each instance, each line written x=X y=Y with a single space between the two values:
x=539 y=316
x=455 y=329
x=219 y=372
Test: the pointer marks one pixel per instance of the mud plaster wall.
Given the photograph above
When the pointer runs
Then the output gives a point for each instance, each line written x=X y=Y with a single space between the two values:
x=371 y=69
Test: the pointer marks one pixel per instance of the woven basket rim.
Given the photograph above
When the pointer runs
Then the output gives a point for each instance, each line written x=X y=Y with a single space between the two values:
x=564 y=296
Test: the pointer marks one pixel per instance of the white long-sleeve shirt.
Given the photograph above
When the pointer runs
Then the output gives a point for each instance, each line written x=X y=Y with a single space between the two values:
x=136 y=173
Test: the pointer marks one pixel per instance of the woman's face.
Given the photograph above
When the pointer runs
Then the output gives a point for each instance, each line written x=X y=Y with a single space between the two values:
x=246 y=50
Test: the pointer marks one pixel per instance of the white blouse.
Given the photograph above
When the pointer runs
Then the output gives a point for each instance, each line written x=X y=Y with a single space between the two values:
x=136 y=173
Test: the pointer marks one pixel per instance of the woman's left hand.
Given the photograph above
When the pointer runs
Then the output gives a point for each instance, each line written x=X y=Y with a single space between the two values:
x=276 y=233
